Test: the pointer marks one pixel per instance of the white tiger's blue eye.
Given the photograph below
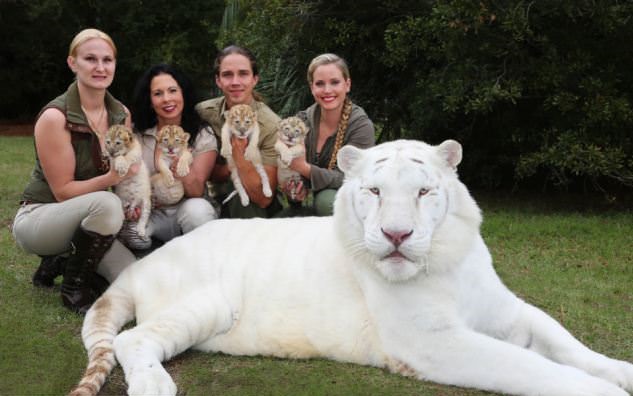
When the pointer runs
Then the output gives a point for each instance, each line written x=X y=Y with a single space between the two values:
x=423 y=192
x=375 y=190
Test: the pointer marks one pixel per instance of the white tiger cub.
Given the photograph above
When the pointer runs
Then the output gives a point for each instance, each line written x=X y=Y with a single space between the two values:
x=124 y=149
x=291 y=136
x=402 y=279
x=172 y=143
x=241 y=122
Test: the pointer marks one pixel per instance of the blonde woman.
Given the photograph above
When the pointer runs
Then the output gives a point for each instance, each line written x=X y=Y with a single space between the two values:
x=333 y=121
x=66 y=215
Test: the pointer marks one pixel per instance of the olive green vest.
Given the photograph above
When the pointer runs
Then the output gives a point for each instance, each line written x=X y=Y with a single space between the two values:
x=88 y=158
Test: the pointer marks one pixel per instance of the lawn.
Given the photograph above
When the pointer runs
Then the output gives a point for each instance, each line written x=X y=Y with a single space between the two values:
x=574 y=263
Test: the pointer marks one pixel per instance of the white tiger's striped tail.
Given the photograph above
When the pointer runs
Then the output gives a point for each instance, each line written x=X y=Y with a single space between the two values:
x=102 y=323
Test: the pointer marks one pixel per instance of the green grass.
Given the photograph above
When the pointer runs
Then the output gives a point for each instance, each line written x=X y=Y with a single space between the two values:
x=576 y=266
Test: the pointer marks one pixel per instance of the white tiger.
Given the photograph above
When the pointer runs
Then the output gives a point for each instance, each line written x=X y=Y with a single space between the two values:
x=399 y=278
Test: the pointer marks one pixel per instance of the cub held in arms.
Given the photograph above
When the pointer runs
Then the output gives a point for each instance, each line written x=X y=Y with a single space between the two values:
x=291 y=136
x=403 y=276
x=241 y=122
x=124 y=149
x=172 y=146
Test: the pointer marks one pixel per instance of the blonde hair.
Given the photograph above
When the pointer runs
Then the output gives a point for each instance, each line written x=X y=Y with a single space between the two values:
x=326 y=59
x=88 y=34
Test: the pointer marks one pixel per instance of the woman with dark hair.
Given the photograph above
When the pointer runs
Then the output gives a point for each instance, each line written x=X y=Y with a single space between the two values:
x=236 y=74
x=165 y=96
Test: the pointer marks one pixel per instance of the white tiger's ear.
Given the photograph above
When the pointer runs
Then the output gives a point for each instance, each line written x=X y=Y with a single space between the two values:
x=347 y=158
x=451 y=152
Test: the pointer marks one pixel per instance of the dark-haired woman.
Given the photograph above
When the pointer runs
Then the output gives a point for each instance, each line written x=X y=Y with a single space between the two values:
x=165 y=96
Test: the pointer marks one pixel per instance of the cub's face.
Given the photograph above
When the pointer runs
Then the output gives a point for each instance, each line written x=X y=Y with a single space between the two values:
x=172 y=140
x=242 y=119
x=292 y=131
x=118 y=140
x=396 y=195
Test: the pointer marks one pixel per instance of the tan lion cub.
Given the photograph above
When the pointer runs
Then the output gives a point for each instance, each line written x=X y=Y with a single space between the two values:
x=241 y=122
x=124 y=149
x=171 y=142
x=290 y=144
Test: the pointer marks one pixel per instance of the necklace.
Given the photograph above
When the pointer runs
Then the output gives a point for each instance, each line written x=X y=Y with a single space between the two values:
x=105 y=163
x=91 y=123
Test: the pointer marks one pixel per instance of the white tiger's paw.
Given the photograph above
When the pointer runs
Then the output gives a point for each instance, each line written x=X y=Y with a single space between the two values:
x=121 y=166
x=623 y=376
x=588 y=385
x=151 y=380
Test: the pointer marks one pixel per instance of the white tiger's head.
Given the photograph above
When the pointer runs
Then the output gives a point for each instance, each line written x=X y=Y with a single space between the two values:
x=394 y=204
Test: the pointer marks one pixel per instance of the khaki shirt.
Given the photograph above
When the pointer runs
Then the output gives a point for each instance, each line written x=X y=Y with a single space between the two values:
x=212 y=111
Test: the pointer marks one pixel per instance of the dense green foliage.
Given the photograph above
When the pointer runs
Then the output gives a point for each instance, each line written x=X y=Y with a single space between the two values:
x=529 y=88
x=36 y=36
x=539 y=93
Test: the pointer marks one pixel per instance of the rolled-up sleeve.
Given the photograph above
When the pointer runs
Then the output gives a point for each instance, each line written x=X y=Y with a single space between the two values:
x=361 y=134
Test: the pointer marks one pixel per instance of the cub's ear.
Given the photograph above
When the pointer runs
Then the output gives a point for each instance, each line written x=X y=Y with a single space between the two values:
x=186 y=135
x=451 y=152
x=347 y=158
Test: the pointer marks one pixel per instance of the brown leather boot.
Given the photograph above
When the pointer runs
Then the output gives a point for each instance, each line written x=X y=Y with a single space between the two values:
x=81 y=285
x=50 y=268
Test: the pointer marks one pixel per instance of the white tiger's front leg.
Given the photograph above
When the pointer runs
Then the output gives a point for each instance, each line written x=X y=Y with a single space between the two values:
x=537 y=331
x=188 y=322
x=465 y=358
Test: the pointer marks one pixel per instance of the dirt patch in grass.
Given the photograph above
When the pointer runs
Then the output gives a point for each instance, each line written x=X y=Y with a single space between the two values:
x=8 y=128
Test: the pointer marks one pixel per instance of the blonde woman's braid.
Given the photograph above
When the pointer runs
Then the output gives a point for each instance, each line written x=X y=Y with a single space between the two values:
x=340 y=131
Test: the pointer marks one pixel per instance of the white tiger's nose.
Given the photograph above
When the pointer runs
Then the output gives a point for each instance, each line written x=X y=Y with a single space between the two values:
x=396 y=236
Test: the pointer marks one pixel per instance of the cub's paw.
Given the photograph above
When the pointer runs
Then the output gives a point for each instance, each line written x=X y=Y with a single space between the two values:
x=244 y=199
x=151 y=380
x=182 y=169
x=121 y=166
x=286 y=158
x=266 y=190
x=225 y=151
x=169 y=179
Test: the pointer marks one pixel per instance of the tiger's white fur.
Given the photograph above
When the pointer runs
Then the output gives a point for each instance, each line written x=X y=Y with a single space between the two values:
x=399 y=277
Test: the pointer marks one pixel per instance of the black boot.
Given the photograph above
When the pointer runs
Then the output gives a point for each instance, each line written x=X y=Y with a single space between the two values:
x=81 y=285
x=50 y=268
